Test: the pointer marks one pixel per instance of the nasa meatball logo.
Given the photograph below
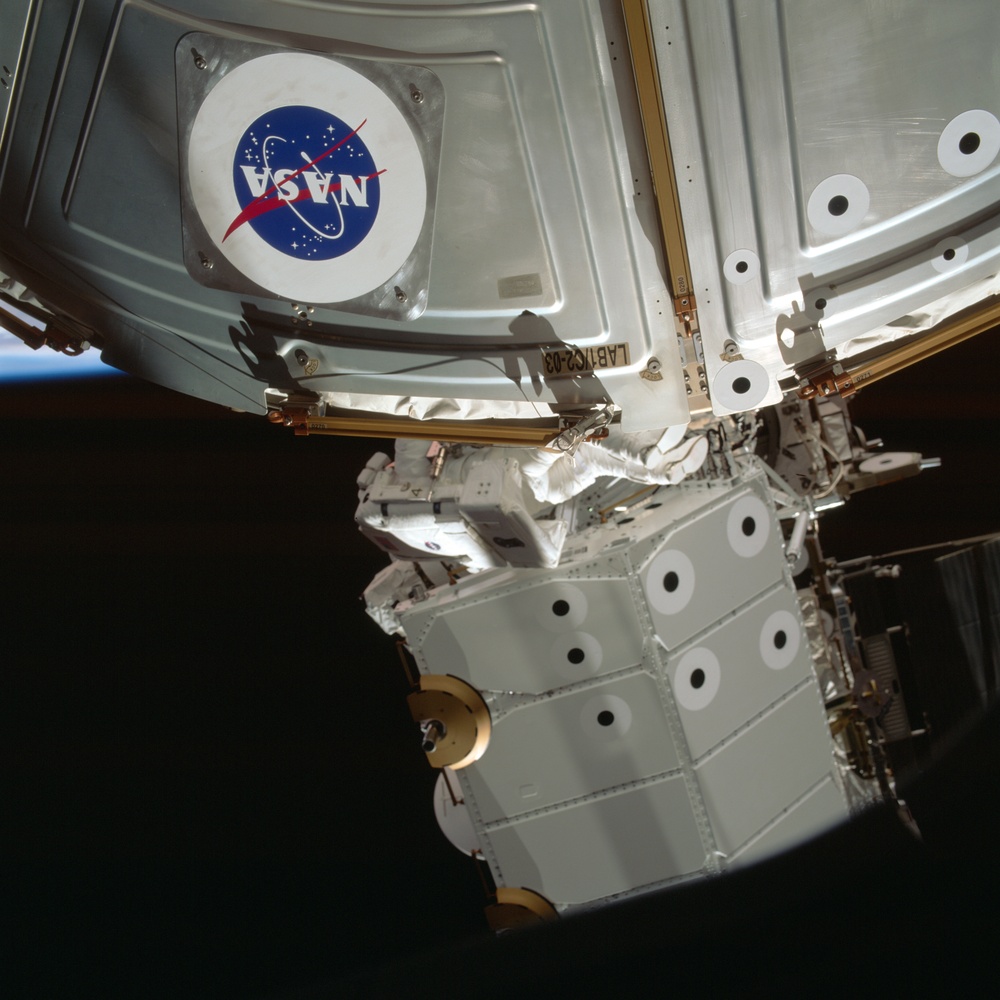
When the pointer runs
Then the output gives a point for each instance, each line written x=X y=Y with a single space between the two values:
x=319 y=196
x=306 y=183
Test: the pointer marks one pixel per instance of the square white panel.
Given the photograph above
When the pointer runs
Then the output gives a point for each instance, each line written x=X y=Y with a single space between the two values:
x=536 y=638
x=603 y=847
x=738 y=669
x=563 y=748
x=820 y=809
x=720 y=559
x=751 y=781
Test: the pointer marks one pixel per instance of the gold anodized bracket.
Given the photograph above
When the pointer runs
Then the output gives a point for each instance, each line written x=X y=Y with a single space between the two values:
x=654 y=125
x=837 y=379
x=664 y=178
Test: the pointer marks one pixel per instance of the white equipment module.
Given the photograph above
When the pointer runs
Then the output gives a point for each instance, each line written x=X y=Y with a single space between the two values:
x=639 y=737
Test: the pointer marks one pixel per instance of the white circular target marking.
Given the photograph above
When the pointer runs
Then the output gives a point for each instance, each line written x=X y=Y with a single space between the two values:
x=838 y=205
x=969 y=143
x=780 y=639
x=558 y=606
x=741 y=266
x=670 y=582
x=818 y=303
x=740 y=385
x=888 y=461
x=697 y=677
x=314 y=186
x=576 y=656
x=949 y=254
x=748 y=525
x=606 y=717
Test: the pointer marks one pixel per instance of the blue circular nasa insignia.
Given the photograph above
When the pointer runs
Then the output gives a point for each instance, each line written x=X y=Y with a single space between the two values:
x=305 y=183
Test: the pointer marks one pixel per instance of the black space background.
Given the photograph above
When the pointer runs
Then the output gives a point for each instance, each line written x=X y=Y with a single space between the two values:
x=210 y=783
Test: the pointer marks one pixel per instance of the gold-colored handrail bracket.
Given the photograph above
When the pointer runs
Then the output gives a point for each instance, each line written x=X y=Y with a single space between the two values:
x=654 y=124
x=848 y=376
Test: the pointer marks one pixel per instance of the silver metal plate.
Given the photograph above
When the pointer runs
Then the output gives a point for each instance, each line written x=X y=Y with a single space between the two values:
x=544 y=227
x=825 y=185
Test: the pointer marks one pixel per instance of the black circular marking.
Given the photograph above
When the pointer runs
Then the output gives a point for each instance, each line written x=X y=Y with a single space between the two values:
x=949 y=254
x=969 y=143
x=749 y=526
x=821 y=304
x=575 y=655
x=742 y=267
x=671 y=582
x=697 y=677
x=560 y=608
x=780 y=639
x=837 y=205
x=605 y=718
x=741 y=385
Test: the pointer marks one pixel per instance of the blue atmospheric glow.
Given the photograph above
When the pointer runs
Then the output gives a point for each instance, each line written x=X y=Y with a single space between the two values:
x=19 y=363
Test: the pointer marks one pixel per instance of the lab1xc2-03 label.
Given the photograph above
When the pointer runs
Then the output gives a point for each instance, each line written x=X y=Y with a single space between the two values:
x=307 y=177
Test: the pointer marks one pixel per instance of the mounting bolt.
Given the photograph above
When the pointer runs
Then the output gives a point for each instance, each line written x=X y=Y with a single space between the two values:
x=416 y=95
x=653 y=365
x=400 y=294
x=301 y=356
x=206 y=262
x=730 y=349
x=199 y=60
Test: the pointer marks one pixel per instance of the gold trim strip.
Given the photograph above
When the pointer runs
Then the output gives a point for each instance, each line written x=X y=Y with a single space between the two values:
x=532 y=435
x=985 y=317
x=654 y=125
x=845 y=380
